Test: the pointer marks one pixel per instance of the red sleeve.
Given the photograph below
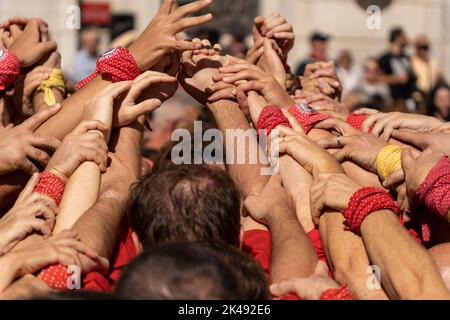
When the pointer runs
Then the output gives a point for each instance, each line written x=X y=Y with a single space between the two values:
x=314 y=237
x=357 y=121
x=125 y=252
x=342 y=293
x=9 y=68
x=258 y=243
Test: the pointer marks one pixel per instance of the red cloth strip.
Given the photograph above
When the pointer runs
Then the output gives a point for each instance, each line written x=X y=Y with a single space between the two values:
x=434 y=192
x=342 y=293
x=357 y=121
x=364 y=202
x=307 y=116
x=9 y=68
x=115 y=65
x=270 y=118
x=50 y=185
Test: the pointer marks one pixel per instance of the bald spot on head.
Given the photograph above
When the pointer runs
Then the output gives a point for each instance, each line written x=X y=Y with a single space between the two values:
x=441 y=256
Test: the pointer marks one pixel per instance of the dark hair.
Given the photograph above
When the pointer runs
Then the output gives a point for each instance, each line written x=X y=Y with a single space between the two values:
x=185 y=203
x=395 y=33
x=76 y=295
x=250 y=276
x=431 y=107
x=178 y=271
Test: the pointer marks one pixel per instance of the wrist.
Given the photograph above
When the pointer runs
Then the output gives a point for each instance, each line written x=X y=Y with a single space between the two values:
x=58 y=173
x=282 y=212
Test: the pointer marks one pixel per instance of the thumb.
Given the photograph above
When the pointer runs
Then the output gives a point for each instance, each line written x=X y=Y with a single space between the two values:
x=407 y=160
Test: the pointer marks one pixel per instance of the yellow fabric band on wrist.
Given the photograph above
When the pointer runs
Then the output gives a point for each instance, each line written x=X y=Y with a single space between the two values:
x=389 y=160
x=55 y=80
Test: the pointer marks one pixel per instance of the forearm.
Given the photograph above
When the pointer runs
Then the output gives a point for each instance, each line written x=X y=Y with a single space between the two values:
x=407 y=270
x=298 y=182
x=8 y=271
x=100 y=225
x=348 y=258
x=293 y=256
x=248 y=177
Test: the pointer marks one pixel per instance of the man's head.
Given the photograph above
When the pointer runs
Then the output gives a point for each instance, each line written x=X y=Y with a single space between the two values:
x=319 y=43
x=185 y=203
x=178 y=271
x=90 y=41
x=422 y=46
x=398 y=38
x=371 y=70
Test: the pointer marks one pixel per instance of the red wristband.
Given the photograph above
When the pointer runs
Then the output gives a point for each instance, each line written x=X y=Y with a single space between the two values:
x=55 y=277
x=115 y=65
x=357 y=121
x=307 y=116
x=364 y=202
x=270 y=118
x=434 y=192
x=50 y=185
x=342 y=293
x=9 y=68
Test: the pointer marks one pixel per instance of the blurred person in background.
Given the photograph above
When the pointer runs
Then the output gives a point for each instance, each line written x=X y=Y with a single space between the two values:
x=439 y=102
x=425 y=67
x=85 y=60
x=371 y=91
x=346 y=72
x=319 y=48
x=398 y=72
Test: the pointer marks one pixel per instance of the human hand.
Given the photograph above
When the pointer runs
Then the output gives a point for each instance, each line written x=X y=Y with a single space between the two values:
x=416 y=169
x=32 y=212
x=360 y=148
x=21 y=23
x=32 y=82
x=20 y=145
x=310 y=288
x=198 y=69
x=435 y=140
x=28 y=46
x=299 y=146
x=129 y=110
x=321 y=102
x=322 y=77
x=63 y=248
x=279 y=29
x=331 y=191
x=159 y=37
x=386 y=123
x=84 y=143
x=274 y=199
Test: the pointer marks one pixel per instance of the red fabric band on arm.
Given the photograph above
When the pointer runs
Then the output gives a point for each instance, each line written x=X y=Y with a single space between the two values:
x=50 y=185
x=115 y=65
x=9 y=68
x=55 y=277
x=357 y=121
x=307 y=116
x=434 y=192
x=341 y=293
x=270 y=118
x=364 y=202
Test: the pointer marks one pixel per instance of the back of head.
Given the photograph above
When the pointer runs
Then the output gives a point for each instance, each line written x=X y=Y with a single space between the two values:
x=178 y=271
x=185 y=203
x=250 y=276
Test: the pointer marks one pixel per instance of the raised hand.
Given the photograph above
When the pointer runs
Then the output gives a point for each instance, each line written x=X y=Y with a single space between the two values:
x=278 y=28
x=28 y=46
x=360 y=148
x=159 y=38
x=424 y=140
x=331 y=191
x=84 y=143
x=20 y=146
x=386 y=123
x=32 y=212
